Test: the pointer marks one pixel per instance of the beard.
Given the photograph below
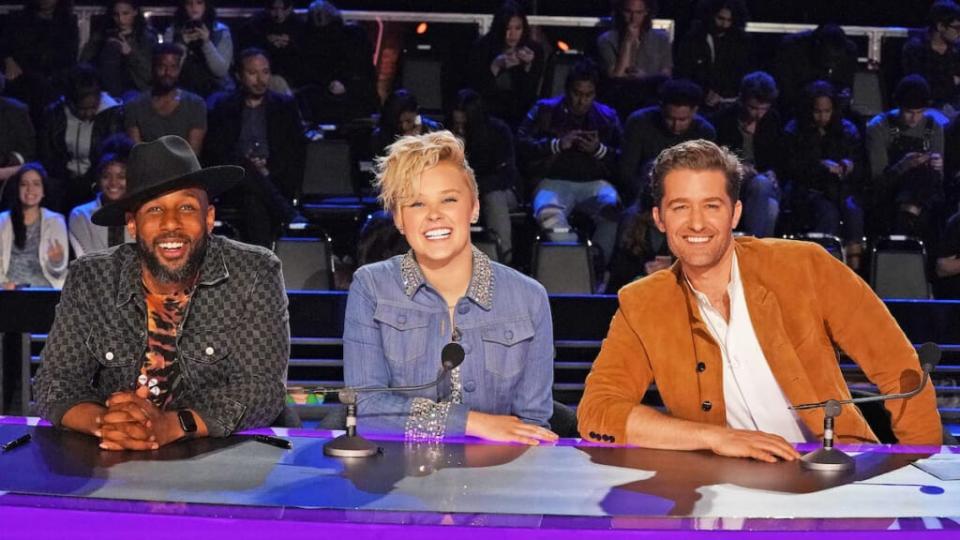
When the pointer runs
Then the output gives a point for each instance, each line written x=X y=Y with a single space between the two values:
x=164 y=274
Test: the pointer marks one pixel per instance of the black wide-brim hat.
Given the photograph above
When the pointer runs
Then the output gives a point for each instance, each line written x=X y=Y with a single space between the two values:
x=161 y=166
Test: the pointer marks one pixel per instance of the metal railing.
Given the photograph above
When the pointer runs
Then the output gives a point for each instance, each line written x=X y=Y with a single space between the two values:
x=874 y=34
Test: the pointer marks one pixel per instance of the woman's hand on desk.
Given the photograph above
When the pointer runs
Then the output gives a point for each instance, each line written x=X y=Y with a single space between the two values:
x=506 y=428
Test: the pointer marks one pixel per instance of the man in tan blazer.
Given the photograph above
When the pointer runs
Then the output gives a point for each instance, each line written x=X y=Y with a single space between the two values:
x=740 y=329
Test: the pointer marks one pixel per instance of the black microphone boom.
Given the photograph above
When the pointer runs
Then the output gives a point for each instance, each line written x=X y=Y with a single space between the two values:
x=352 y=445
x=831 y=459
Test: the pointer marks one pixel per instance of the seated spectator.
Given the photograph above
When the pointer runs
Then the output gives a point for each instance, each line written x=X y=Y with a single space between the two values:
x=490 y=151
x=448 y=290
x=715 y=52
x=947 y=284
x=824 y=166
x=167 y=109
x=641 y=247
x=38 y=45
x=279 y=31
x=260 y=130
x=635 y=58
x=399 y=117
x=752 y=129
x=33 y=240
x=632 y=48
x=18 y=138
x=653 y=129
x=569 y=145
x=506 y=65
x=821 y=54
x=207 y=47
x=338 y=71
x=379 y=239
x=934 y=55
x=121 y=50
x=73 y=127
x=85 y=236
x=905 y=147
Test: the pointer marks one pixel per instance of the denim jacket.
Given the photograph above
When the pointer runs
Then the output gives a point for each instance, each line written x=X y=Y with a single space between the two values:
x=396 y=325
x=232 y=346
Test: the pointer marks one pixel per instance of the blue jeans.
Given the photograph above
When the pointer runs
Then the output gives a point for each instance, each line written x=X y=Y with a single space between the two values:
x=761 y=205
x=555 y=200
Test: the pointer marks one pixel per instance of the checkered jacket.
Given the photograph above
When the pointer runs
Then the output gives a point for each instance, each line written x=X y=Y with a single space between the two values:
x=232 y=348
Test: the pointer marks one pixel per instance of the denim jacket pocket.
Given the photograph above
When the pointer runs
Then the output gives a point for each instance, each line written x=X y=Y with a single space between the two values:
x=403 y=332
x=205 y=346
x=505 y=346
x=114 y=350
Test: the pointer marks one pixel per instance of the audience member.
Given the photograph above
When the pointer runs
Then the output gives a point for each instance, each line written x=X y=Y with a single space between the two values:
x=652 y=129
x=752 y=129
x=824 y=165
x=338 y=69
x=403 y=311
x=492 y=156
x=72 y=129
x=641 y=247
x=822 y=54
x=934 y=55
x=400 y=116
x=168 y=377
x=33 y=240
x=167 y=109
x=715 y=52
x=121 y=50
x=379 y=239
x=506 y=65
x=279 y=31
x=207 y=47
x=947 y=284
x=635 y=57
x=38 y=44
x=18 y=139
x=632 y=48
x=905 y=147
x=85 y=236
x=570 y=145
x=260 y=130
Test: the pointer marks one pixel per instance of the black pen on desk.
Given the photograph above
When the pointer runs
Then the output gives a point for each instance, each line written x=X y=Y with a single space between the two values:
x=273 y=441
x=19 y=441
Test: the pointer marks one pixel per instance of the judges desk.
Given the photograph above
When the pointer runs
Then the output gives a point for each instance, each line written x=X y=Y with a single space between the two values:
x=61 y=484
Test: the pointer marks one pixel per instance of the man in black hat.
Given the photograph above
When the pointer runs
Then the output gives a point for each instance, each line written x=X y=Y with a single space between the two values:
x=181 y=334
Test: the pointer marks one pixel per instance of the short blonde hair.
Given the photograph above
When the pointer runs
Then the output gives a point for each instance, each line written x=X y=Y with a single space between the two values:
x=407 y=158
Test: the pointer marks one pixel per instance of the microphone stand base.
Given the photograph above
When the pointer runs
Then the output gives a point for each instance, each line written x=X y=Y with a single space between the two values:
x=827 y=460
x=350 y=446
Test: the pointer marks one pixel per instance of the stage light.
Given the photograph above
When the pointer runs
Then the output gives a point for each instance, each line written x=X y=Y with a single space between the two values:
x=422 y=28
x=562 y=45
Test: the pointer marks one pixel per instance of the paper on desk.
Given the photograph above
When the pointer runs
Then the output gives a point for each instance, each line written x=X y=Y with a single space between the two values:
x=943 y=466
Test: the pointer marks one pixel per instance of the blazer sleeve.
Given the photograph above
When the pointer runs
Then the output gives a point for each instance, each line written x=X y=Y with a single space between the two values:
x=617 y=382
x=860 y=324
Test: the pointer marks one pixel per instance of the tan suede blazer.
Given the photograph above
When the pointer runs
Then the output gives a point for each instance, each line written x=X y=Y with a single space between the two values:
x=803 y=303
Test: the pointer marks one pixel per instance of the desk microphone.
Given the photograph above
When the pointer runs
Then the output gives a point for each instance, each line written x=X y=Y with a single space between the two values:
x=352 y=445
x=831 y=459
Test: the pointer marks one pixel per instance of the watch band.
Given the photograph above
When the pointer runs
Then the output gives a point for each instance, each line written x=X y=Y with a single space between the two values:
x=187 y=422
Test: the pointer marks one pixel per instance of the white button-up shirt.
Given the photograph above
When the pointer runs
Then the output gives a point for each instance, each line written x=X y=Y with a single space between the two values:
x=752 y=395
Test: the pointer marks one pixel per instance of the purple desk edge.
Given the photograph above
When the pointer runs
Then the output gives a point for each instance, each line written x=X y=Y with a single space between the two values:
x=30 y=516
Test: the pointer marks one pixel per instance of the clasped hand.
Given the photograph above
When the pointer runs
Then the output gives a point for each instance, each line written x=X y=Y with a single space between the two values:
x=132 y=422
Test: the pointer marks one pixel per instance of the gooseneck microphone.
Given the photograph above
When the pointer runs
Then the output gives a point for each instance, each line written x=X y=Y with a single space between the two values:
x=352 y=445
x=831 y=459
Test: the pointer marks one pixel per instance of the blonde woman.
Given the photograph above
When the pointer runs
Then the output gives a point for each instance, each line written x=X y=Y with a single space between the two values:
x=402 y=311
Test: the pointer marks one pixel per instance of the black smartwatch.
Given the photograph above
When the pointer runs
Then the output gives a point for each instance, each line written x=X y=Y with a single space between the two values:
x=187 y=422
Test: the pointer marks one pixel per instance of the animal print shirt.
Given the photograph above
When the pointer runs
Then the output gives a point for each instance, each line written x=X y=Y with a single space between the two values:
x=160 y=372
